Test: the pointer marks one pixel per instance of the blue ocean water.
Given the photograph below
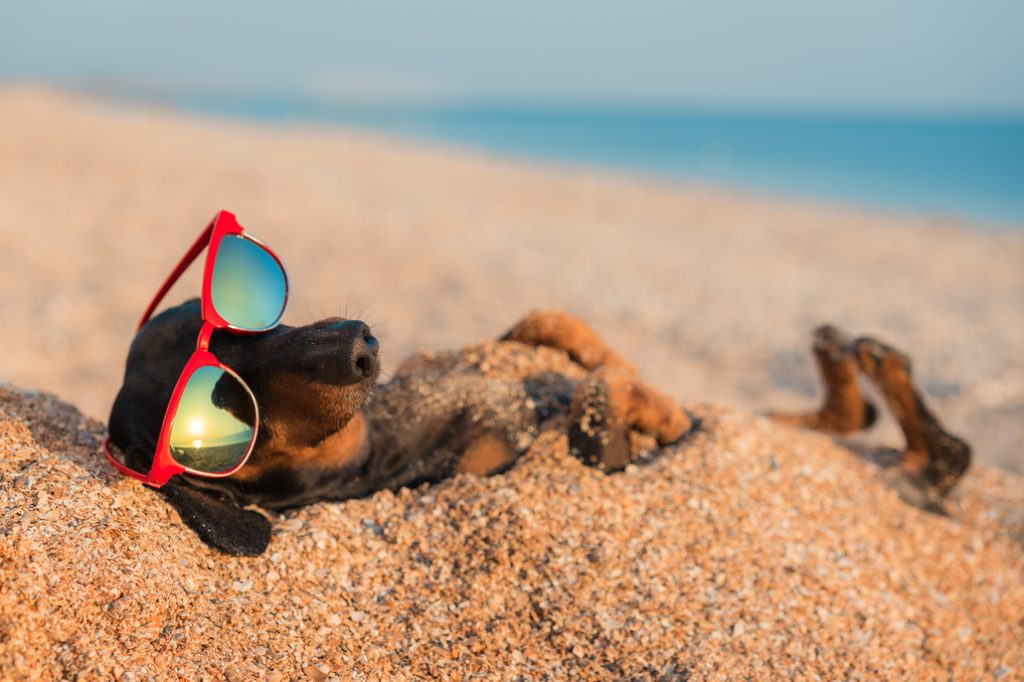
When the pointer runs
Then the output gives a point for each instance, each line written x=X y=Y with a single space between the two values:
x=969 y=168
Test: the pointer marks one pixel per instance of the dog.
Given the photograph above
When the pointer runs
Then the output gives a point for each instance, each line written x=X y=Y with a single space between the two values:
x=329 y=432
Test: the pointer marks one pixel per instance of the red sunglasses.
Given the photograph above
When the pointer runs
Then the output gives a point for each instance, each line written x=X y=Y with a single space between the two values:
x=211 y=422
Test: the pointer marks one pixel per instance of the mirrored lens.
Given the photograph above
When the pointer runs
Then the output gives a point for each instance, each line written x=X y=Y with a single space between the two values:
x=249 y=286
x=215 y=422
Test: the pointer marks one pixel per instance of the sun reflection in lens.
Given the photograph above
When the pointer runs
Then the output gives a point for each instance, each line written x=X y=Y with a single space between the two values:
x=214 y=422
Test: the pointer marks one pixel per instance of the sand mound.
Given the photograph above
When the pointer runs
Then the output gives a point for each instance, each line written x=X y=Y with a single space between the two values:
x=751 y=548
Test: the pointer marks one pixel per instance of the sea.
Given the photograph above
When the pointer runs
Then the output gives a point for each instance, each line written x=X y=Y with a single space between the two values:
x=968 y=168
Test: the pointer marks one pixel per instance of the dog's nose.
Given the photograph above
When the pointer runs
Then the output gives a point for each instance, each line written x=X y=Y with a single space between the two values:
x=366 y=360
x=371 y=342
x=359 y=350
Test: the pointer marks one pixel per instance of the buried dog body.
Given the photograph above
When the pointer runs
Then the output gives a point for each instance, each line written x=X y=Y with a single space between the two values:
x=281 y=416
x=329 y=432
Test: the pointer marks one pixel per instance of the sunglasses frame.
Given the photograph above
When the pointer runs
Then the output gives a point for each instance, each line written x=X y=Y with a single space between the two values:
x=164 y=465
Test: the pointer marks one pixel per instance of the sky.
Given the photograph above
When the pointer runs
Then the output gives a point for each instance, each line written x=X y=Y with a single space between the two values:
x=934 y=56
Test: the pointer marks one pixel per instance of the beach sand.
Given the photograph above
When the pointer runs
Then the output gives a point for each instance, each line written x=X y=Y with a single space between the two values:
x=750 y=549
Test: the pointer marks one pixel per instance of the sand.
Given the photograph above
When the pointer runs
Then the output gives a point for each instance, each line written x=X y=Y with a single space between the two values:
x=751 y=548
x=750 y=551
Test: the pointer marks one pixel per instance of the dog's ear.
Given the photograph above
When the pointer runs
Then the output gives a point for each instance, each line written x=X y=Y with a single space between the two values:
x=223 y=526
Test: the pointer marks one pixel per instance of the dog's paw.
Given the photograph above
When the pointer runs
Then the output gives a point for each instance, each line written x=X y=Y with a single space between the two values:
x=597 y=440
x=915 y=491
x=612 y=403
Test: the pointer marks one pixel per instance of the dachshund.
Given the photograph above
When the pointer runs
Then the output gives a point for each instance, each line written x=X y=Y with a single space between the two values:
x=329 y=432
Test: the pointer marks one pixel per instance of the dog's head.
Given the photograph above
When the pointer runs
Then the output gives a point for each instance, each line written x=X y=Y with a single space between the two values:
x=310 y=384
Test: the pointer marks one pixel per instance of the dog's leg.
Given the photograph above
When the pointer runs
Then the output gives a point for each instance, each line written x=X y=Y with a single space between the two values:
x=845 y=409
x=610 y=402
x=561 y=330
x=934 y=459
x=488 y=454
x=220 y=524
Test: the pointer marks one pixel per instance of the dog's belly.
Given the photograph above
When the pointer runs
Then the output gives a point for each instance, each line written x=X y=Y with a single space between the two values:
x=439 y=405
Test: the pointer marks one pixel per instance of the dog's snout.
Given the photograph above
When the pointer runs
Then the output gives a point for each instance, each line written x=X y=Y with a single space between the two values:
x=358 y=351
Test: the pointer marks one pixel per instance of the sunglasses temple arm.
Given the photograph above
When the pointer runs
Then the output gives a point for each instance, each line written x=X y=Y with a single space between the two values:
x=192 y=254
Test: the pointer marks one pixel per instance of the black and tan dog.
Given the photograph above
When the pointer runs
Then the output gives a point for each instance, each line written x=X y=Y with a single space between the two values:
x=329 y=432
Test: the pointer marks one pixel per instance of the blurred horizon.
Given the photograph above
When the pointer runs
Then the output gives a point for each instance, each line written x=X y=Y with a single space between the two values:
x=968 y=168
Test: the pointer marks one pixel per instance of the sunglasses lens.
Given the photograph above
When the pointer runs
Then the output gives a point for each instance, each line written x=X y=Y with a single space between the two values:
x=249 y=285
x=215 y=422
